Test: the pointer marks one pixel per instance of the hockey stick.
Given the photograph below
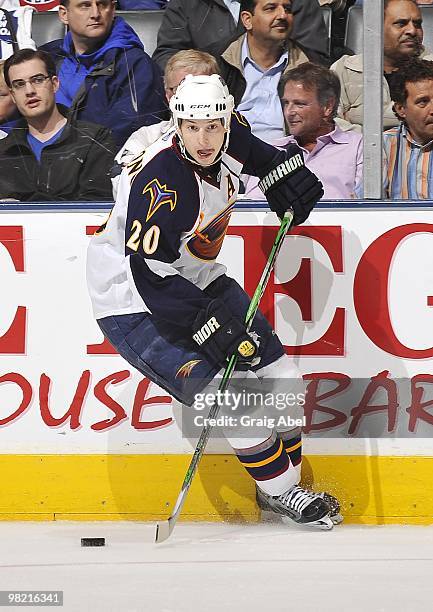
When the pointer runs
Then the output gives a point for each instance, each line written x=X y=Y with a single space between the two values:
x=165 y=528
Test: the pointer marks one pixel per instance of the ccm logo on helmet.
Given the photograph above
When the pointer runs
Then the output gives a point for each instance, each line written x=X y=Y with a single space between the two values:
x=207 y=330
x=199 y=105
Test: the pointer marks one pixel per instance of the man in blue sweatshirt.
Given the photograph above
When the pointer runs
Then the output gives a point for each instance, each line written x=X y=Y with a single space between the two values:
x=106 y=76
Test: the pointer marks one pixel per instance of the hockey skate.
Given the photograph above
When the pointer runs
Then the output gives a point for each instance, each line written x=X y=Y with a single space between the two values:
x=297 y=505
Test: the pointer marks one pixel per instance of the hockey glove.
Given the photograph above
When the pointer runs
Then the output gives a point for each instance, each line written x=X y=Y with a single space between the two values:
x=220 y=335
x=292 y=185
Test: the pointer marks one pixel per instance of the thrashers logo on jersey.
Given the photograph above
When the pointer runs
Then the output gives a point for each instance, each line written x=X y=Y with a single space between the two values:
x=159 y=195
x=208 y=240
x=185 y=370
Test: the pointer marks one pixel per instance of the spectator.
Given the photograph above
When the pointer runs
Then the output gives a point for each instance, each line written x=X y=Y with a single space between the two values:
x=309 y=96
x=49 y=157
x=15 y=28
x=178 y=66
x=204 y=24
x=105 y=75
x=7 y=105
x=403 y=36
x=408 y=148
x=254 y=63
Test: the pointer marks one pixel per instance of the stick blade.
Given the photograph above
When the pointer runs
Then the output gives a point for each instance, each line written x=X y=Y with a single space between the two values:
x=163 y=531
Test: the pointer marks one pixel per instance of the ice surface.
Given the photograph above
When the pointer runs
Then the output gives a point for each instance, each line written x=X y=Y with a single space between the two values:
x=219 y=567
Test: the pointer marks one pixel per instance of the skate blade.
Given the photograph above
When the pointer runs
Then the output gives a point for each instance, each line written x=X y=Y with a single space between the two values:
x=337 y=519
x=325 y=523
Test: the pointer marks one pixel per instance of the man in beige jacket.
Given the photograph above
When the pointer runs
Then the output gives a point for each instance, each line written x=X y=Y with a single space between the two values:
x=403 y=36
x=254 y=63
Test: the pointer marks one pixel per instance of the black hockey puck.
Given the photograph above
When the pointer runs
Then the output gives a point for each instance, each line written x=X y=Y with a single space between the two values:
x=92 y=541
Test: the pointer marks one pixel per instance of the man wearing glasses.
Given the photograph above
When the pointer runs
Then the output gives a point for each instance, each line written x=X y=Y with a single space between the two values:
x=47 y=156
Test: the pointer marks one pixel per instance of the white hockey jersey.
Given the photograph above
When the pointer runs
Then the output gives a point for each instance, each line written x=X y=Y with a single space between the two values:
x=158 y=249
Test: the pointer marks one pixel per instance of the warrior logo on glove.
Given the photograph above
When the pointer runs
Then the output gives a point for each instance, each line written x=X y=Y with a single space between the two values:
x=206 y=330
x=281 y=172
x=291 y=184
x=246 y=348
x=220 y=335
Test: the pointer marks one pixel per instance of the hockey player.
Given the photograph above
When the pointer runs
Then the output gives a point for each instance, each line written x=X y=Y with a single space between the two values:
x=164 y=302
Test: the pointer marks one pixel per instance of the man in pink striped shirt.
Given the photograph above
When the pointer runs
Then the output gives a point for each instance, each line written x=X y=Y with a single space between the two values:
x=309 y=95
